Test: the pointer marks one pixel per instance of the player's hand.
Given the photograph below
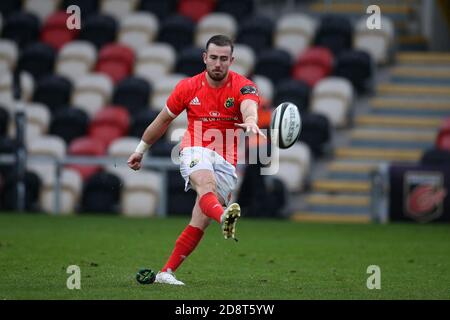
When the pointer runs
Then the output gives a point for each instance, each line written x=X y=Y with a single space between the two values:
x=251 y=127
x=134 y=161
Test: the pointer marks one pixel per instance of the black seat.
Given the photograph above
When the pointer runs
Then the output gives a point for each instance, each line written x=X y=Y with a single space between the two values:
x=4 y=121
x=21 y=27
x=69 y=123
x=8 y=192
x=162 y=9
x=295 y=91
x=239 y=9
x=335 y=32
x=179 y=201
x=54 y=91
x=316 y=133
x=133 y=93
x=256 y=31
x=436 y=157
x=87 y=7
x=190 y=61
x=7 y=146
x=37 y=59
x=178 y=31
x=99 y=29
x=140 y=121
x=162 y=148
x=8 y=7
x=101 y=193
x=357 y=66
x=275 y=64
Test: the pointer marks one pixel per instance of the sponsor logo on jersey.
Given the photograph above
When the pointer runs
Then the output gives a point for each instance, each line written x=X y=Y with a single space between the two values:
x=195 y=102
x=249 y=90
x=229 y=102
x=214 y=113
x=193 y=163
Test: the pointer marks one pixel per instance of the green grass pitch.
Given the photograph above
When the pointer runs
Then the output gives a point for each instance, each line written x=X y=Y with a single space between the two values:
x=273 y=259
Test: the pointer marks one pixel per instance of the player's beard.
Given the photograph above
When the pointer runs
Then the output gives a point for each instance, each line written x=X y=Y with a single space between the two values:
x=217 y=76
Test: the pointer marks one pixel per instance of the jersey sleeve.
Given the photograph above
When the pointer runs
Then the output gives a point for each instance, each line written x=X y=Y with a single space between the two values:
x=176 y=101
x=248 y=90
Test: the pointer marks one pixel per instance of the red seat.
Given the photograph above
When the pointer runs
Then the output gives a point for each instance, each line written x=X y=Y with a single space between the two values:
x=444 y=143
x=115 y=60
x=55 y=33
x=109 y=124
x=313 y=65
x=86 y=146
x=444 y=130
x=196 y=9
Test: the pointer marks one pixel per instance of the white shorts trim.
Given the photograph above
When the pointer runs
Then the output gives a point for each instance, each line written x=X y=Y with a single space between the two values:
x=198 y=158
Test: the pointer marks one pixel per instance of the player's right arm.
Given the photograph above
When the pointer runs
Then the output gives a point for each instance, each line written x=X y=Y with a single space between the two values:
x=152 y=133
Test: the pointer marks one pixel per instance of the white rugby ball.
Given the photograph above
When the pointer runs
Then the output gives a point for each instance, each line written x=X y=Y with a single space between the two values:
x=285 y=125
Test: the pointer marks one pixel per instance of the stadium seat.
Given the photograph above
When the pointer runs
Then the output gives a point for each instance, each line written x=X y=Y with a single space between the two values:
x=316 y=133
x=4 y=121
x=162 y=9
x=295 y=91
x=109 y=124
x=444 y=131
x=7 y=7
x=212 y=24
x=140 y=121
x=239 y=9
x=377 y=42
x=313 y=65
x=275 y=64
x=69 y=123
x=101 y=193
x=190 y=61
x=244 y=60
x=54 y=91
x=8 y=145
x=265 y=88
x=165 y=148
x=356 y=66
x=70 y=192
x=141 y=194
x=8 y=196
x=122 y=148
x=138 y=29
x=162 y=90
x=294 y=166
x=195 y=9
x=256 y=32
x=294 y=32
x=116 y=61
x=335 y=32
x=444 y=143
x=87 y=7
x=99 y=30
x=6 y=88
x=38 y=59
x=55 y=33
x=177 y=31
x=38 y=120
x=75 y=59
x=86 y=146
x=92 y=91
x=179 y=202
x=8 y=55
x=41 y=8
x=22 y=28
x=132 y=93
x=118 y=8
x=333 y=98
x=154 y=61
x=435 y=157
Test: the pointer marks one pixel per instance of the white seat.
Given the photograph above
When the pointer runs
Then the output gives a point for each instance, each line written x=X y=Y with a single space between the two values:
x=141 y=193
x=294 y=166
x=333 y=97
x=118 y=8
x=154 y=61
x=265 y=87
x=162 y=90
x=213 y=24
x=6 y=88
x=92 y=91
x=294 y=33
x=38 y=120
x=8 y=55
x=75 y=59
x=138 y=29
x=377 y=42
x=41 y=8
x=244 y=59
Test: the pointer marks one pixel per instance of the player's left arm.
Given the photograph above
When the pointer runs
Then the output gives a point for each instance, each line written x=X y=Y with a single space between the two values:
x=249 y=111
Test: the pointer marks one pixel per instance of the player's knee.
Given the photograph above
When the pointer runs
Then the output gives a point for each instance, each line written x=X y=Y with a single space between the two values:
x=205 y=186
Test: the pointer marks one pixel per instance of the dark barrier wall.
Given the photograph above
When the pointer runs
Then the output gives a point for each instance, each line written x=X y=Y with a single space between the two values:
x=419 y=193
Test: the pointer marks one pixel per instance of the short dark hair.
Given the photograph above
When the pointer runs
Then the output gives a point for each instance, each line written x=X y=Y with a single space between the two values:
x=221 y=41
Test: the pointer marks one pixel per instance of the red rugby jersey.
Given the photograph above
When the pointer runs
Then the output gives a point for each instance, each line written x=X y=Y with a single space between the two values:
x=212 y=112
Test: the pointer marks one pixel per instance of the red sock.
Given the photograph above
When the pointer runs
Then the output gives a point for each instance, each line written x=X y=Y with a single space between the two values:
x=185 y=244
x=210 y=206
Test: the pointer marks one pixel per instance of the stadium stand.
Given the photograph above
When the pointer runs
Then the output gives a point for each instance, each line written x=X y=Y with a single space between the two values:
x=38 y=59
x=239 y=9
x=53 y=91
x=162 y=9
x=116 y=61
x=154 y=61
x=118 y=8
x=99 y=30
x=295 y=91
x=195 y=9
x=178 y=31
x=275 y=64
x=256 y=32
x=75 y=59
x=22 y=28
x=313 y=65
x=244 y=60
x=190 y=61
x=54 y=31
x=109 y=123
x=138 y=30
x=69 y=123
x=8 y=55
x=101 y=193
x=133 y=93
x=335 y=32
x=88 y=7
x=212 y=24
x=86 y=146
x=37 y=120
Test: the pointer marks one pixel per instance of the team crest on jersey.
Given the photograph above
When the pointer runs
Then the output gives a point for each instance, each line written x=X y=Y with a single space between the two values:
x=193 y=163
x=229 y=102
